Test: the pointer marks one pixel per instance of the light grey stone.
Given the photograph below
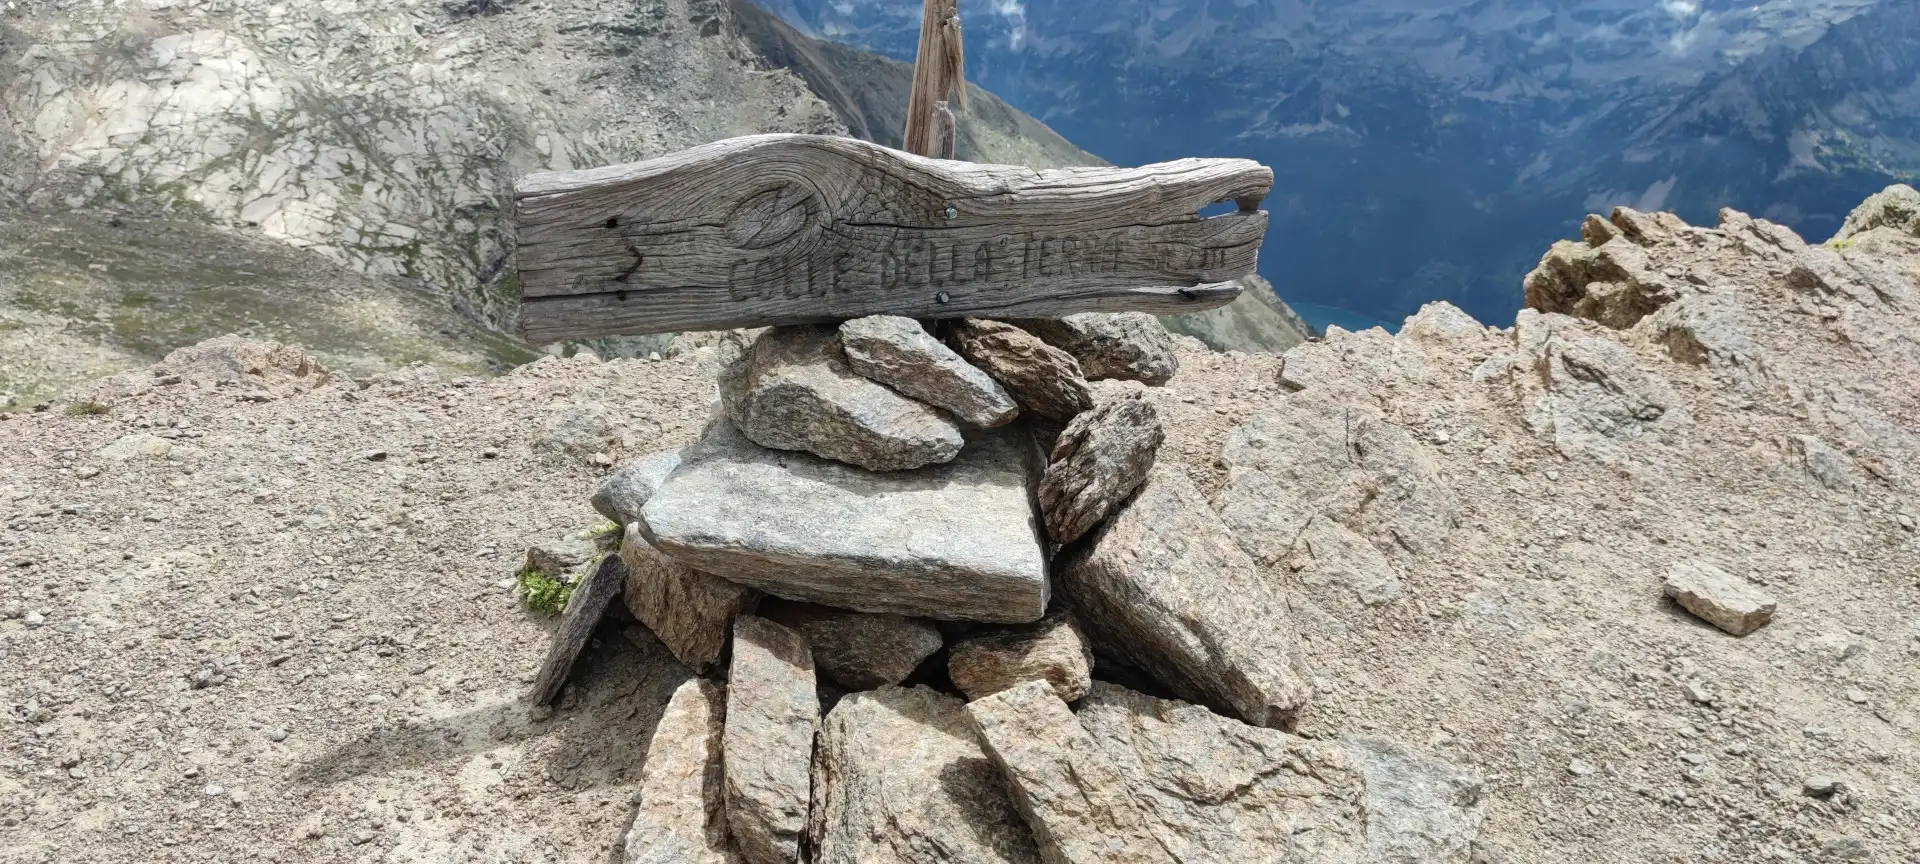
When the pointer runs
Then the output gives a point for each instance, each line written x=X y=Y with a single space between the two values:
x=682 y=817
x=1720 y=598
x=990 y=660
x=1896 y=207
x=1043 y=379
x=858 y=650
x=1098 y=460
x=690 y=612
x=621 y=495
x=560 y=559
x=1163 y=587
x=1073 y=797
x=796 y=392
x=958 y=541
x=1129 y=345
x=900 y=779
x=773 y=711
x=899 y=353
x=1419 y=809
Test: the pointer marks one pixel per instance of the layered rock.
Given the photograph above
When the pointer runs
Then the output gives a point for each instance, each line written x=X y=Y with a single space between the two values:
x=797 y=392
x=772 y=714
x=1098 y=460
x=1043 y=379
x=682 y=817
x=1163 y=587
x=899 y=353
x=1129 y=345
x=990 y=660
x=859 y=650
x=689 y=611
x=955 y=542
x=1077 y=802
x=900 y=777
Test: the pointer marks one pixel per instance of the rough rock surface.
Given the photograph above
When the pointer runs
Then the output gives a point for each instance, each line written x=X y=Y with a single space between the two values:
x=1718 y=597
x=956 y=541
x=796 y=392
x=773 y=712
x=899 y=353
x=1332 y=489
x=690 y=612
x=1043 y=379
x=592 y=594
x=1098 y=460
x=626 y=490
x=858 y=650
x=990 y=660
x=1418 y=808
x=1076 y=800
x=901 y=777
x=1163 y=587
x=682 y=817
x=1896 y=207
x=1128 y=345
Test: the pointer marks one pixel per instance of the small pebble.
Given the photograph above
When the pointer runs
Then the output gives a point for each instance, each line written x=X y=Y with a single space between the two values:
x=1581 y=768
x=1819 y=786
x=278 y=735
x=1857 y=696
x=35 y=619
x=87 y=473
x=215 y=789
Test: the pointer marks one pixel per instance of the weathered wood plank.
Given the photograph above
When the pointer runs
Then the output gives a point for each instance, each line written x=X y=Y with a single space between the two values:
x=590 y=600
x=784 y=229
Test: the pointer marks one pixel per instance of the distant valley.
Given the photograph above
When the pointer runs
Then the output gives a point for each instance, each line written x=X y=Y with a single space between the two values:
x=1429 y=150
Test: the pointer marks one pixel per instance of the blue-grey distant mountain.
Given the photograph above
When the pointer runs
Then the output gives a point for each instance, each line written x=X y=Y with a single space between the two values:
x=1429 y=149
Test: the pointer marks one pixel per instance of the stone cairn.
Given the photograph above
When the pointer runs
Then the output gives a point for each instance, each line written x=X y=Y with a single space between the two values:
x=871 y=496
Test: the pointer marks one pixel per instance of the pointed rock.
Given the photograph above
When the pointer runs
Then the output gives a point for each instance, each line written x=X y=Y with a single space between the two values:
x=899 y=353
x=773 y=711
x=1164 y=588
x=1133 y=346
x=1043 y=379
x=993 y=659
x=953 y=542
x=689 y=611
x=901 y=779
x=858 y=650
x=1102 y=456
x=1073 y=797
x=682 y=817
x=796 y=392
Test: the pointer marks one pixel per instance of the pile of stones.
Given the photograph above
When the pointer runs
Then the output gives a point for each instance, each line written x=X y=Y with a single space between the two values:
x=903 y=547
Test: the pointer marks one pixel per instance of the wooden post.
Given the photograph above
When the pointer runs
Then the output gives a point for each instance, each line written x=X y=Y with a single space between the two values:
x=937 y=76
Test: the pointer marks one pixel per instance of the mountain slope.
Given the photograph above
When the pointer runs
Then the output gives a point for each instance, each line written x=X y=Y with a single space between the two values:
x=1424 y=150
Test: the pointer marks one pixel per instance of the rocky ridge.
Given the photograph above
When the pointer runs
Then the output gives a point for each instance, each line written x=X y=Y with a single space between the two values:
x=1469 y=532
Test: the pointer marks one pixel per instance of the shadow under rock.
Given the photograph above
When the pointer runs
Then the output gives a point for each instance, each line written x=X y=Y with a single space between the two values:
x=598 y=732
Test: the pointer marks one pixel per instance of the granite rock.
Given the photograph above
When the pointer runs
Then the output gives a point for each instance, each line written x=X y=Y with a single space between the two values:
x=796 y=392
x=1720 y=598
x=1133 y=346
x=992 y=659
x=900 y=779
x=621 y=495
x=958 y=541
x=689 y=611
x=773 y=712
x=1099 y=459
x=682 y=817
x=1163 y=587
x=899 y=353
x=858 y=650
x=1043 y=379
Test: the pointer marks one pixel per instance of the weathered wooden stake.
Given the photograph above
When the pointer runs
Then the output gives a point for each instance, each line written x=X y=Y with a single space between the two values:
x=937 y=75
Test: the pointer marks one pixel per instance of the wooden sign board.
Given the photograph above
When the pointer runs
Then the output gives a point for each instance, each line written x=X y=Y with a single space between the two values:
x=792 y=229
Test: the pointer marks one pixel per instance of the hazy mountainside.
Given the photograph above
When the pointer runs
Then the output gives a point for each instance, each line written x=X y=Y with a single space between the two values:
x=1425 y=150
x=384 y=138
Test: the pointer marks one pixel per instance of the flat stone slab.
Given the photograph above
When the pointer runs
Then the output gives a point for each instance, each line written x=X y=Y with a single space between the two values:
x=958 y=541
x=1720 y=598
